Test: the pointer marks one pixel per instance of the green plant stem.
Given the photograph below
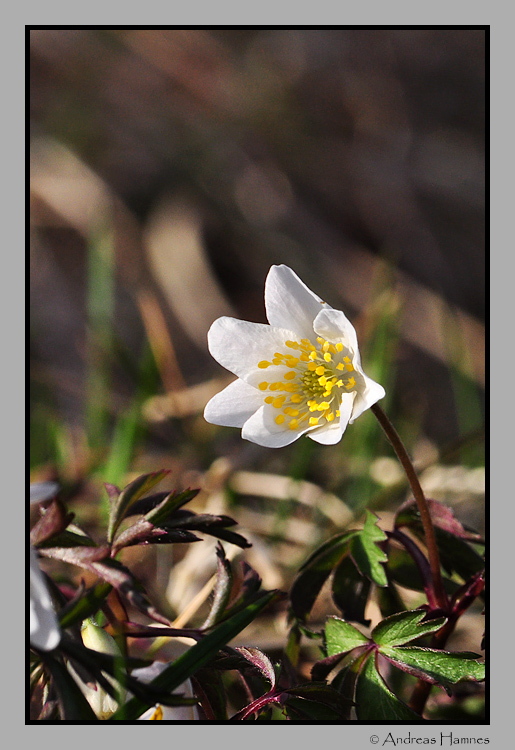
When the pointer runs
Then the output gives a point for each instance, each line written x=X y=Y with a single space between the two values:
x=425 y=516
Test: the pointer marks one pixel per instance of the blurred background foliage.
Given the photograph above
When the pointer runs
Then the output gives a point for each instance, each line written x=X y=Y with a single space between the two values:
x=168 y=170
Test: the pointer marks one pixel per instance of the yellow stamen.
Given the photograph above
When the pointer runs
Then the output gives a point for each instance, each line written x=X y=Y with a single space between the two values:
x=269 y=399
x=339 y=366
x=263 y=386
x=289 y=375
x=278 y=402
x=320 y=370
x=279 y=419
x=339 y=347
x=350 y=384
x=312 y=366
x=329 y=416
x=293 y=424
x=263 y=364
x=157 y=715
x=327 y=357
x=296 y=398
x=313 y=421
x=313 y=355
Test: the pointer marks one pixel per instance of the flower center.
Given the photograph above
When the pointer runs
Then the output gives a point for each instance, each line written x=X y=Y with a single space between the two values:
x=312 y=384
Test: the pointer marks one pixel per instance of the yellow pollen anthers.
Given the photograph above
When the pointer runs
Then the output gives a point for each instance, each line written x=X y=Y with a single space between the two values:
x=312 y=383
x=157 y=715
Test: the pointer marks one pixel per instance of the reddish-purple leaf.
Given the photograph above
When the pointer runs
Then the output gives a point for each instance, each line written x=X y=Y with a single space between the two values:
x=260 y=661
x=81 y=556
x=442 y=516
x=144 y=532
x=53 y=521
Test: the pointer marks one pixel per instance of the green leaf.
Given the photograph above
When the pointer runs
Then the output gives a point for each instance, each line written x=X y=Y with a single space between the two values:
x=350 y=591
x=169 y=505
x=453 y=541
x=209 y=688
x=89 y=603
x=340 y=636
x=404 y=627
x=302 y=709
x=321 y=693
x=374 y=699
x=72 y=703
x=314 y=573
x=197 y=656
x=441 y=667
x=128 y=496
x=369 y=558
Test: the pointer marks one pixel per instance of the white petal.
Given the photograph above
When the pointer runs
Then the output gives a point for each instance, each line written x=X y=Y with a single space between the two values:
x=332 y=433
x=233 y=406
x=239 y=345
x=289 y=303
x=262 y=429
x=335 y=326
x=40 y=491
x=170 y=713
x=44 y=629
x=364 y=400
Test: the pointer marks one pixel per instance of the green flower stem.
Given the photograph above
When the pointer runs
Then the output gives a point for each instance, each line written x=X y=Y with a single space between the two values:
x=429 y=531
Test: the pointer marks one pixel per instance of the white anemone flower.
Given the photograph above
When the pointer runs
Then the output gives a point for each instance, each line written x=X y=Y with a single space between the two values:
x=45 y=633
x=300 y=375
x=166 y=713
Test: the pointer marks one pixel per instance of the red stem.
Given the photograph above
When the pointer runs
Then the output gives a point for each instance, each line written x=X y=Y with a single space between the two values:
x=440 y=596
